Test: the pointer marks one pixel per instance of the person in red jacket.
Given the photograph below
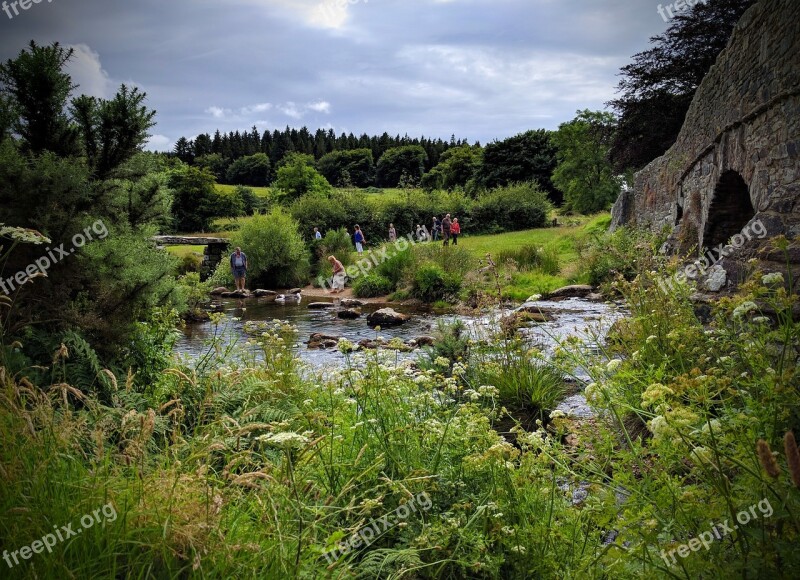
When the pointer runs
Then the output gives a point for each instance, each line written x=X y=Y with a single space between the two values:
x=455 y=231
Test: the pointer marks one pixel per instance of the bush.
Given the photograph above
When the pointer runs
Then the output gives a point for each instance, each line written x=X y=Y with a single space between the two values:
x=396 y=267
x=275 y=250
x=530 y=257
x=451 y=341
x=372 y=285
x=337 y=243
x=516 y=207
x=432 y=283
x=190 y=263
x=297 y=177
x=454 y=260
x=618 y=253
x=524 y=383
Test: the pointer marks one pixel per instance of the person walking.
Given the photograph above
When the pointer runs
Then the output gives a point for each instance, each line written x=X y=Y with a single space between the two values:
x=455 y=231
x=338 y=275
x=392 y=233
x=436 y=227
x=422 y=235
x=359 y=239
x=447 y=225
x=317 y=235
x=239 y=268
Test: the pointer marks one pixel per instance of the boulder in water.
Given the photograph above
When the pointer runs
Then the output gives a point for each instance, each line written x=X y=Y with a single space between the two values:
x=264 y=293
x=576 y=291
x=349 y=314
x=386 y=317
x=237 y=294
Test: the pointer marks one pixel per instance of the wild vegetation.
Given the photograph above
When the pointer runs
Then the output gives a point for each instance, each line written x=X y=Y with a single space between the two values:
x=245 y=462
x=228 y=466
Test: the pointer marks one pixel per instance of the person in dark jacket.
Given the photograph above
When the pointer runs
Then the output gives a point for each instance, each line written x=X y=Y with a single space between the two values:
x=447 y=224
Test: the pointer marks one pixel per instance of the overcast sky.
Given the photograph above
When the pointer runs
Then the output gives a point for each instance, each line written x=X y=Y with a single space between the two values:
x=479 y=69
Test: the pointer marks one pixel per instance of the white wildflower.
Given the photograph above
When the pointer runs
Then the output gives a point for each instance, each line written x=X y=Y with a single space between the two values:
x=772 y=278
x=744 y=309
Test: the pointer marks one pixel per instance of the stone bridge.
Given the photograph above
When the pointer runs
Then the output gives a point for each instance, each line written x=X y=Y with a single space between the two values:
x=737 y=159
x=215 y=249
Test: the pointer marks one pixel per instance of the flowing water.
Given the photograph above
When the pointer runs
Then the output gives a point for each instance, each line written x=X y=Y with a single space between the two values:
x=589 y=321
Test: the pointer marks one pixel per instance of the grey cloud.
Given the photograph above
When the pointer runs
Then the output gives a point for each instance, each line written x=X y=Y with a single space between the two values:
x=482 y=69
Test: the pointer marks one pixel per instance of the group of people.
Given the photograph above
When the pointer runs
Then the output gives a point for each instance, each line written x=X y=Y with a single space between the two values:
x=445 y=229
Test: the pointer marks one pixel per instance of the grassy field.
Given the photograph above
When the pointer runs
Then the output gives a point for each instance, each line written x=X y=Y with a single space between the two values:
x=263 y=192
x=562 y=239
x=183 y=251
x=517 y=285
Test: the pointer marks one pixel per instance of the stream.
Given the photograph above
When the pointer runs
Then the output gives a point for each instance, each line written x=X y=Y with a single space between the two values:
x=587 y=320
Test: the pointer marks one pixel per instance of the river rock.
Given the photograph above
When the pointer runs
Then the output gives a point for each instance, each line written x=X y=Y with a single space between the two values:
x=716 y=279
x=386 y=317
x=215 y=307
x=318 y=341
x=349 y=314
x=236 y=294
x=320 y=305
x=219 y=291
x=532 y=312
x=595 y=297
x=424 y=341
x=264 y=293
x=351 y=303
x=295 y=291
x=576 y=291
x=319 y=337
x=537 y=317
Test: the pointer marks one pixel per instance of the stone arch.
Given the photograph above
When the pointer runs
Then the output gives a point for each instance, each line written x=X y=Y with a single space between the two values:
x=730 y=210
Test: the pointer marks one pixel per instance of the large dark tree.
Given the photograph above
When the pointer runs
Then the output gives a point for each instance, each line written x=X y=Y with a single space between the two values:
x=530 y=156
x=356 y=165
x=657 y=88
x=112 y=130
x=37 y=89
x=83 y=182
x=254 y=170
x=408 y=161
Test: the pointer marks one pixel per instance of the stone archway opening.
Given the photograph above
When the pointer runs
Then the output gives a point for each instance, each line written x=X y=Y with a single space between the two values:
x=730 y=211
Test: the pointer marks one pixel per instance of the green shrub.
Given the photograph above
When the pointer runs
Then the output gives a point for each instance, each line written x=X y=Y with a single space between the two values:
x=452 y=259
x=530 y=257
x=450 y=341
x=524 y=382
x=318 y=211
x=275 y=250
x=516 y=207
x=618 y=253
x=222 y=276
x=337 y=243
x=190 y=263
x=432 y=283
x=397 y=266
x=371 y=286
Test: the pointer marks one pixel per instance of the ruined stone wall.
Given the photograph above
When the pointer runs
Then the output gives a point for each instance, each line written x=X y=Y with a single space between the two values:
x=744 y=121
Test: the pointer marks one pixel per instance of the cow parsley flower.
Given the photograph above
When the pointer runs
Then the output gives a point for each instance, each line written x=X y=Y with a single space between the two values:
x=744 y=309
x=772 y=278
